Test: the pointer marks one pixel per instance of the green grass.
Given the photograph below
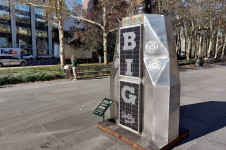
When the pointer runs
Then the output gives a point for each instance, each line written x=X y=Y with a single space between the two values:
x=39 y=73
x=185 y=62
x=33 y=69
x=43 y=73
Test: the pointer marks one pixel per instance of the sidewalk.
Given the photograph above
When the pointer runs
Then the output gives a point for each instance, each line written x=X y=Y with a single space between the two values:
x=203 y=107
x=58 y=114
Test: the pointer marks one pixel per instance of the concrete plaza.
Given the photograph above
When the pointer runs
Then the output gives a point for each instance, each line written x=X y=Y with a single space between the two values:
x=57 y=115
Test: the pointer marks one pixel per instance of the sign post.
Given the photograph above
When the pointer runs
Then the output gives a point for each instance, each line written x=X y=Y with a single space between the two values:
x=102 y=107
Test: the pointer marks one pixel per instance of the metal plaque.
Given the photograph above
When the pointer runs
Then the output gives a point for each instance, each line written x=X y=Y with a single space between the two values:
x=102 y=107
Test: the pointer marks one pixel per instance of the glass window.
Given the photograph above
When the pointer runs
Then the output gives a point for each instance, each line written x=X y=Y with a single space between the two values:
x=39 y=11
x=41 y=33
x=4 y=15
x=4 y=2
x=23 y=31
x=5 y=28
x=3 y=42
x=12 y=57
x=22 y=7
x=40 y=22
x=23 y=19
x=4 y=57
x=25 y=45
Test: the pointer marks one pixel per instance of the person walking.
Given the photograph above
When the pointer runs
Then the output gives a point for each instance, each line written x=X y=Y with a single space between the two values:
x=74 y=63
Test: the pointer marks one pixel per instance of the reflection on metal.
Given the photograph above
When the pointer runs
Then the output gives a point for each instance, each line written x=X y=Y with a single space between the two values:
x=143 y=6
x=116 y=63
x=118 y=48
x=158 y=82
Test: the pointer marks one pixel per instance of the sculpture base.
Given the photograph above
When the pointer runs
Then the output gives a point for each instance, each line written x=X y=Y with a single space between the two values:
x=135 y=140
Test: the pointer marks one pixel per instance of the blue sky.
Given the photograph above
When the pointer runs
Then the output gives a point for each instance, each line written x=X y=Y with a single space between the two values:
x=79 y=1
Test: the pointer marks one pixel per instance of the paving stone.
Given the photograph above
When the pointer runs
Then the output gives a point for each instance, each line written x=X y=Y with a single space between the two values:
x=207 y=144
x=218 y=132
x=58 y=114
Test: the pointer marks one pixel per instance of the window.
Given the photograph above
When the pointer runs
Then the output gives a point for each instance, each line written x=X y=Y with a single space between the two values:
x=4 y=2
x=5 y=28
x=23 y=31
x=12 y=57
x=41 y=33
x=4 y=42
x=39 y=11
x=4 y=57
x=23 y=19
x=24 y=7
x=40 y=22
x=4 y=11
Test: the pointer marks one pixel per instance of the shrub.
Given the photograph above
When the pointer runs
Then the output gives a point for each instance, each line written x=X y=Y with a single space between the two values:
x=29 y=76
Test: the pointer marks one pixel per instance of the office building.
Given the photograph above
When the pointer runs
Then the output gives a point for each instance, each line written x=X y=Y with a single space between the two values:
x=25 y=27
x=87 y=5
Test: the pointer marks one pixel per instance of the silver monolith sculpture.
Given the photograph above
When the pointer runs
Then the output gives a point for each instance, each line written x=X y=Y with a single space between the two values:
x=145 y=83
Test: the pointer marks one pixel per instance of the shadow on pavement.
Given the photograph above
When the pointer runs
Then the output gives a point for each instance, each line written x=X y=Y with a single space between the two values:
x=202 y=118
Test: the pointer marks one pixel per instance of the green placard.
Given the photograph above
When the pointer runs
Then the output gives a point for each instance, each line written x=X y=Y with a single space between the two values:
x=103 y=106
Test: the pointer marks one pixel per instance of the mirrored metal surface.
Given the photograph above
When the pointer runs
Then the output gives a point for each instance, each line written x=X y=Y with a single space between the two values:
x=162 y=97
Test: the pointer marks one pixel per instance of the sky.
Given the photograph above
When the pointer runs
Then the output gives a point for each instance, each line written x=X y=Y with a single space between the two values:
x=79 y=1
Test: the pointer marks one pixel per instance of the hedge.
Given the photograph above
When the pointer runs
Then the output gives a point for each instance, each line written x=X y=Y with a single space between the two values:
x=29 y=76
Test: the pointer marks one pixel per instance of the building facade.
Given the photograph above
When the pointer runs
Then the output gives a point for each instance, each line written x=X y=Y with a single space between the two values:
x=87 y=5
x=25 y=27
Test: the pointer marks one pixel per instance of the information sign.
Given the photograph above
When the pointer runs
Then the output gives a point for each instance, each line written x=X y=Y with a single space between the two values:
x=103 y=106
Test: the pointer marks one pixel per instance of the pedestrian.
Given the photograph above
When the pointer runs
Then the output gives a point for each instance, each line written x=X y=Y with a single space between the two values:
x=74 y=63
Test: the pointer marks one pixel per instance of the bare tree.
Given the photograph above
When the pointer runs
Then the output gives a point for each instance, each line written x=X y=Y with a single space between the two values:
x=56 y=11
x=107 y=20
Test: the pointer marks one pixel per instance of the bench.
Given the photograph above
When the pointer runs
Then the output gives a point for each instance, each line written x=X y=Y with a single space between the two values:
x=88 y=71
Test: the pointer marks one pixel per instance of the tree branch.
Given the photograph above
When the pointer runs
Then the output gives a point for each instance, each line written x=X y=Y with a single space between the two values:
x=113 y=30
x=41 y=6
x=89 y=21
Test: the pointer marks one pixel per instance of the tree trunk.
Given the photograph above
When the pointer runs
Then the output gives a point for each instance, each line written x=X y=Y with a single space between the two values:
x=188 y=51
x=105 y=33
x=223 y=49
x=105 y=48
x=159 y=7
x=178 y=41
x=210 y=46
x=61 y=39
x=216 y=47
x=196 y=41
x=99 y=57
x=200 y=47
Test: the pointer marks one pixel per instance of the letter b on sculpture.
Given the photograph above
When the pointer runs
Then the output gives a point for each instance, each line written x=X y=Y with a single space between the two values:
x=129 y=41
x=130 y=47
